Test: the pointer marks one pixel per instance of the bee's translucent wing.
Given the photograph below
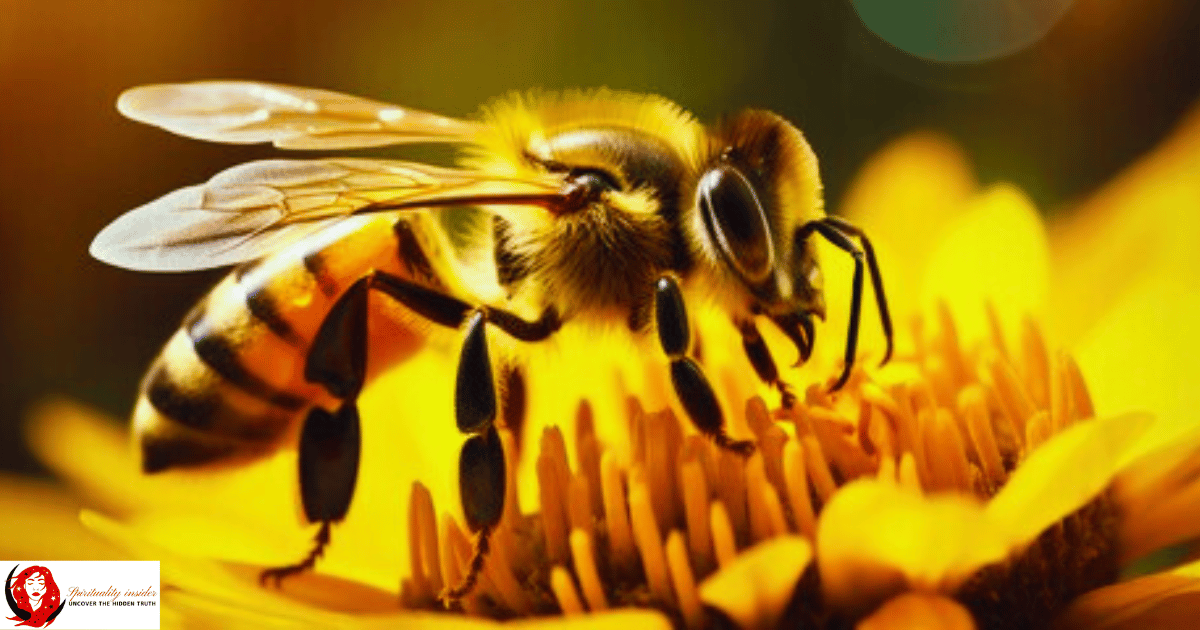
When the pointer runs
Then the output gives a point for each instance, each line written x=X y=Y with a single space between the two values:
x=246 y=112
x=253 y=209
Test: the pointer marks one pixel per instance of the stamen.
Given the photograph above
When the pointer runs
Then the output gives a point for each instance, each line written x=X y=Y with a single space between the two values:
x=1060 y=405
x=996 y=331
x=564 y=592
x=906 y=472
x=756 y=480
x=512 y=502
x=818 y=468
x=585 y=568
x=722 y=531
x=499 y=572
x=451 y=568
x=579 y=505
x=419 y=585
x=616 y=515
x=795 y=474
x=427 y=525
x=553 y=496
x=1036 y=362
x=731 y=488
x=973 y=407
x=1081 y=400
x=947 y=420
x=684 y=581
x=766 y=513
x=649 y=543
x=1038 y=430
x=953 y=359
x=587 y=454
x=1016 y=402
x=663 y=439
x=952 y=450
x=695 y=501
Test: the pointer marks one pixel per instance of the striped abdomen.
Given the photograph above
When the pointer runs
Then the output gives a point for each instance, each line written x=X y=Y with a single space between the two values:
x=230 y=384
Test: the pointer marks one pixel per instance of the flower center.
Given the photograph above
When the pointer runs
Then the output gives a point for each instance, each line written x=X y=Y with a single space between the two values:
x=941 y=418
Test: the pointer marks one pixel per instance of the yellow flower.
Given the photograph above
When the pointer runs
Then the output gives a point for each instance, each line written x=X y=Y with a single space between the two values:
x=981 y=479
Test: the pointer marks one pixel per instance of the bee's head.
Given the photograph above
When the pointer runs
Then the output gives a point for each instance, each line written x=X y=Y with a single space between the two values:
x=756 y=191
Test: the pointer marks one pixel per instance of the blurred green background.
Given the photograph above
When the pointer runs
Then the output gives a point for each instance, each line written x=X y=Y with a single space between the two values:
x=1058 y=117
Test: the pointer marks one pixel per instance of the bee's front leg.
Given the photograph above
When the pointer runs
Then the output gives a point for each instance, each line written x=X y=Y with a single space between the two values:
x=764 y=364
x=691 y=385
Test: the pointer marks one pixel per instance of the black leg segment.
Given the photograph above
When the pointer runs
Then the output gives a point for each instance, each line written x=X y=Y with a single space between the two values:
x=838 y=232
x=841 y=241
x=330 y=444
x=687 y=377
x=481 y=481
x=671 y=317
x=475 y=386
x=763 y=363
x=876 y=278
x=451 y=312
x=337 y=358
x=799 y=328
x=320 y=542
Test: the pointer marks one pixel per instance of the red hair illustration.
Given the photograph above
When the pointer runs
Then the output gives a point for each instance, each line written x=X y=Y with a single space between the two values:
x=33 y=597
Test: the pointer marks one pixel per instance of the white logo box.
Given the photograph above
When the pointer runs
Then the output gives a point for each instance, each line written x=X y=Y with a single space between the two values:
x=92 y=594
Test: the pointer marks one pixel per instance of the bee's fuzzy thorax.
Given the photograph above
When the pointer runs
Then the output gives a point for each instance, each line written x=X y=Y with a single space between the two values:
x=521 y=119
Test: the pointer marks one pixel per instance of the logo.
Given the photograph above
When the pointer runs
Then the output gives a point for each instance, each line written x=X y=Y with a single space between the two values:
x=33 y=597
x=82 y=595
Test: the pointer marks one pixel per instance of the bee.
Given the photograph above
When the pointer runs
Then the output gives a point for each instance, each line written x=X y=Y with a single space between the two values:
x=599 y=207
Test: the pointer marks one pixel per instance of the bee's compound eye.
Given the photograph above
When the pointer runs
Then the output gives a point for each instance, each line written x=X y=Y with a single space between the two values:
x=737 y=222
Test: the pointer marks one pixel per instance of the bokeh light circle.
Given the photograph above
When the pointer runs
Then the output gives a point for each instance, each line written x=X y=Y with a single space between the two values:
x=960 y=31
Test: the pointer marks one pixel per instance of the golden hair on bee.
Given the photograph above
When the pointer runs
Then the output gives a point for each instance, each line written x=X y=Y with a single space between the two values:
x=598 y=207
x=521 y=122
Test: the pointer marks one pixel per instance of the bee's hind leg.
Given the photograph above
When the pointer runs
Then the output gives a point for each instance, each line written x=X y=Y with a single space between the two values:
x=330 y=442
x=691 y=385
x=329 y=451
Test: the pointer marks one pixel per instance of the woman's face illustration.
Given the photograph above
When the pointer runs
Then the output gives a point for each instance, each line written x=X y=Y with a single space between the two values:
x=35 y=586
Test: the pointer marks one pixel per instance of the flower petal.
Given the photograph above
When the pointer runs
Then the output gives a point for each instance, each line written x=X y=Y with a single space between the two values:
x=862 y=563
x=996 y=251
x=1124 y=284
x=219 y=586
x=1140 y=226
x=1142 y=353
x=41 y=521
x=1064 y=473
x=1164 y=600
x=612 y=620
x=919 y=611
x=1160 y=499
x=755 y=589
x=904 y=198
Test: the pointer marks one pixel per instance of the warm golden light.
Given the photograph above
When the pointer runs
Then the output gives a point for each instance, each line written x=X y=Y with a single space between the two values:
x=982 y=479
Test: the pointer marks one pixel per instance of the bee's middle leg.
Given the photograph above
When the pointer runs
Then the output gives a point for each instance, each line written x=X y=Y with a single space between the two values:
x=694 y=391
